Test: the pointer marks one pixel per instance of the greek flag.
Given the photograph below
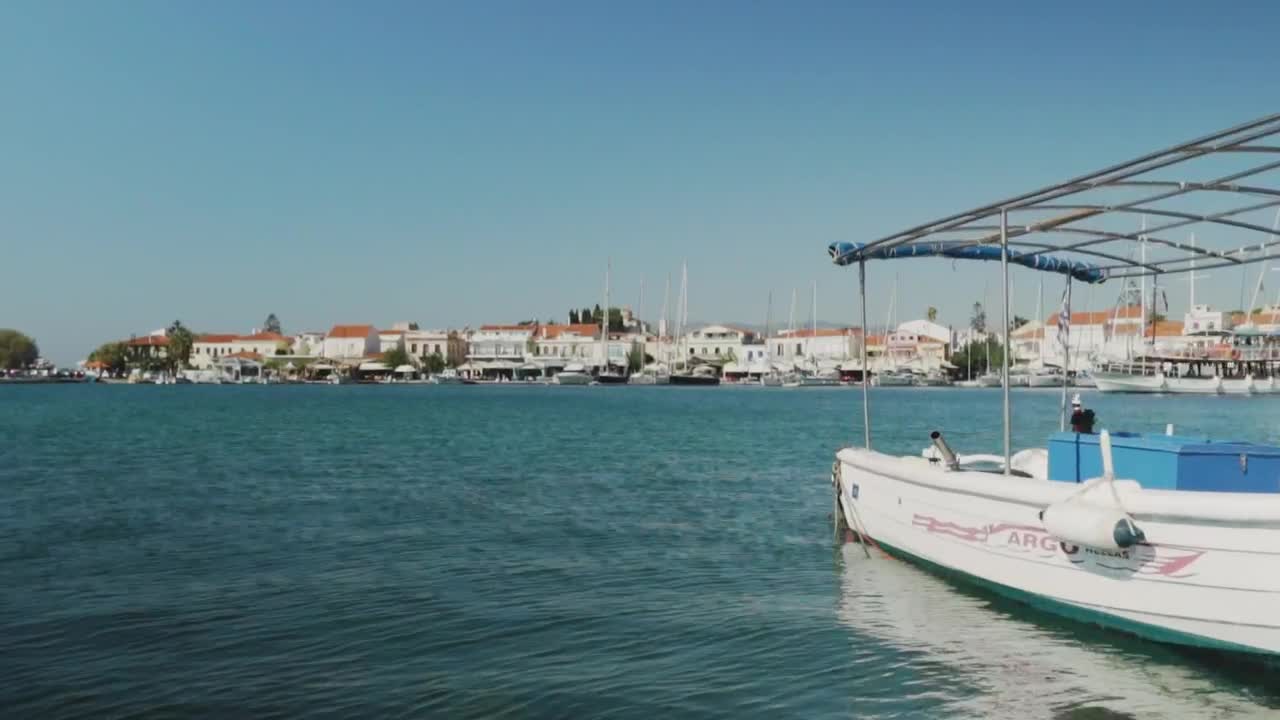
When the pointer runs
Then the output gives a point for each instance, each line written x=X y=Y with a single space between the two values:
x=1064 y=322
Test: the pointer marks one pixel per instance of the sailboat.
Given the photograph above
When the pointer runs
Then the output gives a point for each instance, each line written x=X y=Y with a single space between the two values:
x=814 y=376
x=607 y=375
x=770 y=377
x=655 y=373
x=702 y=374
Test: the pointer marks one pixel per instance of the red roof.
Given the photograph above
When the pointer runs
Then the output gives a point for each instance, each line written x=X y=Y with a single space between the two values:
x=821 y=332
x=551 y=332
x=149 y=341
x=350 y=331
x=96 y=365
x=245 y=355
x=218 y=339
x=1099 y=317
x=1164 y=328
x=390 y=332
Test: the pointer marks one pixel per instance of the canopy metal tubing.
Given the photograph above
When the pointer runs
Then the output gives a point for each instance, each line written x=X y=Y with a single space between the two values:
x=1238 y=141
x=1183 y=152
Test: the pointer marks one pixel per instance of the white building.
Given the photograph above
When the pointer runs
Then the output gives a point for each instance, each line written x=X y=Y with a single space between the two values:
x=308 y=344
x=717 y=343
x=827 y=346
x=390 y=340
x=350 y=342
x=579 y=342
x=494 y=343
x=422 y=344
x=208 y=348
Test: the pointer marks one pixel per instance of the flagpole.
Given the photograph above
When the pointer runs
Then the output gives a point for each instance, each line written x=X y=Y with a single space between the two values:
x=1064 y=337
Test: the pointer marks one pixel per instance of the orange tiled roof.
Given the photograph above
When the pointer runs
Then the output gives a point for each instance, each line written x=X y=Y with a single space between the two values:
x=821 y=332
x=391 y=332
x=149 y=341
x=244 y=355
x=1099 y=317
x=216 y=338
x=551 y=332
x=1164 y=328
x=350 y=331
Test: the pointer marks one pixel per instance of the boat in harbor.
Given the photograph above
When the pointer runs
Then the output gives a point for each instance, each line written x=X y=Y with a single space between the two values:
x=894 y=378
x=700 y=375
x=1174 y=538
x=573 y=374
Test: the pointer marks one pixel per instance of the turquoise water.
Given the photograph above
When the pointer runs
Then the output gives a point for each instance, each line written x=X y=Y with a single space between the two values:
x=524 y=552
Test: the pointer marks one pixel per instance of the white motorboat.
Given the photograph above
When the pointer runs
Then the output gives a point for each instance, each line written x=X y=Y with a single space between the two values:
x=448 y=376
x=989 y=380
x=894 y=378
x=933 y=379
x=1045 y=378
x=771 y=379
x=1172 y=538
x=573 y=374
x=1084 y=380
x=1123 y=382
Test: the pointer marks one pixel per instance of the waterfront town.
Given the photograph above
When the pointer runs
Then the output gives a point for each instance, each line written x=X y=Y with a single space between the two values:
x=915 y=352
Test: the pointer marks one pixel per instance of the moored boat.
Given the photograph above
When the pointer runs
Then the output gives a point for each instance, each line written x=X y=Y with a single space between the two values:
x=1172 y=538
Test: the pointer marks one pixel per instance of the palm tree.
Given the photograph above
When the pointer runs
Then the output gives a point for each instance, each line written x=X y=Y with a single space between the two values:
x=180 y=343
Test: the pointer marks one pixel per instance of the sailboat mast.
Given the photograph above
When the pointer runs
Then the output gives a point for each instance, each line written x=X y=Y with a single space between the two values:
x=768 y=318
x=662 y=320
x=813 y=336
x=604 y=322
x=1040 y=318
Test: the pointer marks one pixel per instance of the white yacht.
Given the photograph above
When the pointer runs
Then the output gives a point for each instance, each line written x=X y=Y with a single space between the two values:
x=573 y=374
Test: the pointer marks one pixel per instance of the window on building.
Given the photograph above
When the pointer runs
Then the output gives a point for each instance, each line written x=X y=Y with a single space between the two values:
x=717 y=351
x=798 y=348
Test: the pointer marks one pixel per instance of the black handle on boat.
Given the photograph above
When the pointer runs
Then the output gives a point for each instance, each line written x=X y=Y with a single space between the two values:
x=944 y=450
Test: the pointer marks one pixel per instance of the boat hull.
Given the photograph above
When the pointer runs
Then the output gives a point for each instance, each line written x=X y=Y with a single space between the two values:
x=572 y=378
x=611 y=379
x=1125 y=383
x=1201 y=580
x=694 y=380
x=647 y=379
x=1044 y=381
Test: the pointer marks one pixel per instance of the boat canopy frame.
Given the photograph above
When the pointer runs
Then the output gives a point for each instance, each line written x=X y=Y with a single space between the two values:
x=1056 y=228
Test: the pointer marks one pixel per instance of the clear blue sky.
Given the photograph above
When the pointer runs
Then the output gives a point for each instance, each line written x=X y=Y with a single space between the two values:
x=457 y=163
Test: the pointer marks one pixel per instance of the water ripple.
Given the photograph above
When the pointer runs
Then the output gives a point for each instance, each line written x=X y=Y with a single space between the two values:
x=513 y=552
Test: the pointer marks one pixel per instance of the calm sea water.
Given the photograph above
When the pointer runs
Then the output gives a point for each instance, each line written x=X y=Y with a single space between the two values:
x=527 y=552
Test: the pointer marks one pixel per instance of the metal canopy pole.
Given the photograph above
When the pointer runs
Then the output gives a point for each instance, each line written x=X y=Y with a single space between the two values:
x=1065 y=332
x=1004 y=270
x=866 y=393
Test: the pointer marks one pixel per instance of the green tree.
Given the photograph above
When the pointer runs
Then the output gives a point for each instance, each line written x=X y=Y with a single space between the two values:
x=932 y=314
x=978 y=320
x=584 y=316
x=395 y=357
x=434 y=363
x=974 y=355
x=635 y=358
x=17 y=350
x=180 y=343
x=115 y=355
x=597 y=315
x=1018 y=321
x=272 y=324
x=573 y=317
x=615 y=320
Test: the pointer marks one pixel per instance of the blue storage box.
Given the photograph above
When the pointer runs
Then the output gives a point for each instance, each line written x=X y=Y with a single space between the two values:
x=1169 y=462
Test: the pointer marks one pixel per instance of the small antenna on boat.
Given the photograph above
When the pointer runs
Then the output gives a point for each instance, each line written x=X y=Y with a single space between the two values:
x=1104 y=444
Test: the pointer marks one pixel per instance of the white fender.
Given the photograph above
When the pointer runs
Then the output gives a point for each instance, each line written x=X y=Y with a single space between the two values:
x=1079 y=522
